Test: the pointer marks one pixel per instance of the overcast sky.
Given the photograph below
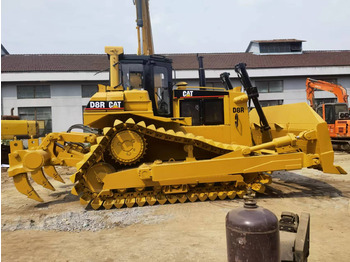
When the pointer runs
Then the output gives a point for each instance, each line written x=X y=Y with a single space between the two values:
x=179 y=26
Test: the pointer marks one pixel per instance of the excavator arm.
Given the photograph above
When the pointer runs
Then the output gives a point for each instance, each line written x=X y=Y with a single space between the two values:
x=337 y=90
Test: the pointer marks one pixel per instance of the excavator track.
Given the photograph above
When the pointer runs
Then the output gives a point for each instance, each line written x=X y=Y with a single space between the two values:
x=90 y=189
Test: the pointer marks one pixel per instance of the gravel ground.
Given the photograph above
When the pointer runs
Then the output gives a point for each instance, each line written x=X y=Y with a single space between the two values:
x=86 y=220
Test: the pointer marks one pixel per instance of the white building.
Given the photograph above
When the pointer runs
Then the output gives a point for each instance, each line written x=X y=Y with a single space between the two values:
x=55 y=88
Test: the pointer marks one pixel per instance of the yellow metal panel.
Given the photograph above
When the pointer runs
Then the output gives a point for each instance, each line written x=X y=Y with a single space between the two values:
x=137 y=100
x=219 y=133
x=12 y=128
x=239 y=118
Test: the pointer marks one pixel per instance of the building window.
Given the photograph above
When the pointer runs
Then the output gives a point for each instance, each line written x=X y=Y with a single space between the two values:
x=213 y=84
x=273 y=86
x=320 y=101
x=271 y=102
x=280 y=47
x=88 y=90
x=41 y=114
x=33 y=91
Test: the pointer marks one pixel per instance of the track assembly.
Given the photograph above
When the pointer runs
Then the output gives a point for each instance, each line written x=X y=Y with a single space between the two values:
x=123 y=138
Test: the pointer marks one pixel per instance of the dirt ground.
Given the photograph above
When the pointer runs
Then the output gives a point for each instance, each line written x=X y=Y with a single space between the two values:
x=62 y=230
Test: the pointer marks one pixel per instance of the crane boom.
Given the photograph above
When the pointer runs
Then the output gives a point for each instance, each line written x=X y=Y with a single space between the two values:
x=337 y=90
x=144 y=28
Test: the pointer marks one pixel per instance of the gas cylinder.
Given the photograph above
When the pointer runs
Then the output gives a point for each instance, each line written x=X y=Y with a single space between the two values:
x=252 y=234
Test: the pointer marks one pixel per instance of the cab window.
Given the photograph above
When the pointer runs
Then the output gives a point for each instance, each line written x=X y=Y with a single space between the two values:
x=161 y=90
x=132 y=76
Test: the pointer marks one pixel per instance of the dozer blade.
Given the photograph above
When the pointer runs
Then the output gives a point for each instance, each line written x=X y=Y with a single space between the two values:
x=51 y=171
x=23 y=186
x=300 y=118
x=39 y=177
x=326 y=151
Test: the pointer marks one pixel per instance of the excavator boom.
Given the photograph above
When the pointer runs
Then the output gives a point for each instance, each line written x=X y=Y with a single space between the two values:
x=312 y=84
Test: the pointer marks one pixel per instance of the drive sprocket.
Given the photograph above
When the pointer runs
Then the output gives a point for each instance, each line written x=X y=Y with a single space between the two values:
x=127 y=147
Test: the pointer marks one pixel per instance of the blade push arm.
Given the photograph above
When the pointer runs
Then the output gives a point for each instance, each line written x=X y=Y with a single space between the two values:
x=253 y=94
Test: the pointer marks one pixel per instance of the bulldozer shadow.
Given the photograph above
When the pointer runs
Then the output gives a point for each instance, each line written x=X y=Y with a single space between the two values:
x=288 y=184
x=62 y=197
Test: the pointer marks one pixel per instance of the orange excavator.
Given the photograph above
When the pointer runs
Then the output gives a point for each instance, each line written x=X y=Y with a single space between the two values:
x=335 y=114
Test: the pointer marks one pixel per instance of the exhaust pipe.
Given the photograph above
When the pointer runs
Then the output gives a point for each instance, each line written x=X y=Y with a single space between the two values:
x=201 y=71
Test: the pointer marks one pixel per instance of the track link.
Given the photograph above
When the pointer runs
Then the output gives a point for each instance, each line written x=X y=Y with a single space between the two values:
x=151 y=197
x=136 y=196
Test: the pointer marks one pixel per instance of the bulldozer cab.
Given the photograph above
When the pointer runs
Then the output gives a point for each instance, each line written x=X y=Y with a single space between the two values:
x=154 y=74
x=150 y=73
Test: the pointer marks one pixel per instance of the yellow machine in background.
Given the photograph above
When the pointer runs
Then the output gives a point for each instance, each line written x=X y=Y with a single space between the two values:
x=15 y=129
x=19 y=129
x=161 y=143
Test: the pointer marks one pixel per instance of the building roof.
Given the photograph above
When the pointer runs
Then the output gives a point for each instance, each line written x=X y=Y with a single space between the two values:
x=4 y=51
x=97 y=62
x=278 y=41
x=57 y=63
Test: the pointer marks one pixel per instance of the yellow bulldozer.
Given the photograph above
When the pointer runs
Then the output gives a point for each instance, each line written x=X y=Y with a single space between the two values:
x=159 y=143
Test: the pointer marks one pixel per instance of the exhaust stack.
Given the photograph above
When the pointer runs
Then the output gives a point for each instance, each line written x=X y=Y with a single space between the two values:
x=201 y=71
